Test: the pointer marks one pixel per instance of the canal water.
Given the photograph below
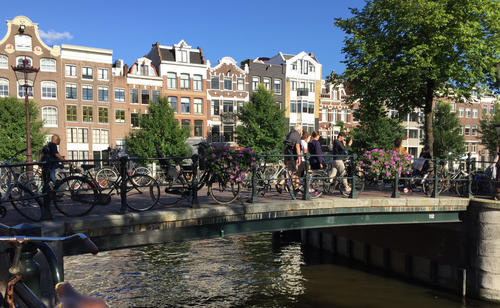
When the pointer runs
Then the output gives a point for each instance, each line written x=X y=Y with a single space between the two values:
x=243 y=271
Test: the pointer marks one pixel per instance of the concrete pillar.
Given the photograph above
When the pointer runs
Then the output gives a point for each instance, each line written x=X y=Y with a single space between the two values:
x=483 y=249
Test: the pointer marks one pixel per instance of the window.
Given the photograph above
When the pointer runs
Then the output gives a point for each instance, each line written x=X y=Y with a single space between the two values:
x=267 y=83
x=23 y=42
x=71 y=92
x=228 y=83
x=71 y=113
x=21 y=92
x=215 y=107
x=120 y=144
x=102 y=94
x=49 y=90
x=413 y=133
x=103 y=115
x=184 y=56
x=240 y=84
x=461 y=112
x=324 y=115
x=492 y=109
x=467 y=130
x=294 y=85
x=4 y=87
x=474 y=130
x=70 y=70
x=198 y=105
x=461 y=132
x=311 y=108
x=473 y=147
x=172 y=80
x=333 y=116
x=120 y=95
x=311 y=87
x=173 y=102
x=87 y=92
x=475 y=113
x=485 y=109
x=49 y=116
x=293 y=106
x=294 y=66
x=186 y=123
x=185 y=81
x=277 y=86
x=87 y=113
x=343 y=115
x=255 y=83
x=87 y=72
x=198 y=128
x=185 y=105
x=100 y=136
x=47 y=65
x=467 y=112
x=453 y=107
x=144 y=69
x=197 y=83
x=102 y=74
x=144 y=96
x=119 y=116
x=214 y=83
x=134 y=96
x=19 y=61
x=227 y=106
x=77 y=135
x=228 y=133
x=4 y=62
x=134 y=119
x=156 y=95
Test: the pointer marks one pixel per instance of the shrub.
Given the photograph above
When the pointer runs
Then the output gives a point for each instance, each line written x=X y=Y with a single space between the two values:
x=226 y=164
x=384 y=164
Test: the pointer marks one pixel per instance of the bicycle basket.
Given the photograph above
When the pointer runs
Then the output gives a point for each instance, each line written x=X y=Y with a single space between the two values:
x=172 y=172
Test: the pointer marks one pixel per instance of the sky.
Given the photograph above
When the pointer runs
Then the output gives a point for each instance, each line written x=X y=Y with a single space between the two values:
x=240 y=29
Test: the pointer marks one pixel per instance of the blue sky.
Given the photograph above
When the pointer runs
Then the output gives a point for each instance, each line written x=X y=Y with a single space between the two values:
x=239 y=29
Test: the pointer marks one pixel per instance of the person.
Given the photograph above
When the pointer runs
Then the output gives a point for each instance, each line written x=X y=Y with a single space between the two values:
x=317 y=161
x=70 y=298
x=54 y=157
x=340 y=151
x=292 y=158
x=399 y=148
x=303 y=150
x=425 y=154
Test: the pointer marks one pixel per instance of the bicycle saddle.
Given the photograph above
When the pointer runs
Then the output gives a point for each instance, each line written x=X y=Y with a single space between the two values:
x=70 y=298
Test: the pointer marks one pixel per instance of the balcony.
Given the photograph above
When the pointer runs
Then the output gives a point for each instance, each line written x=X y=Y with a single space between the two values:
x=228 y=117
x=302 y=92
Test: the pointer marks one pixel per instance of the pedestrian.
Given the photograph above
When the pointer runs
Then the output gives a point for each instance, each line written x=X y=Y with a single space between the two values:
x=399 y=148
x=340 y=147
x=291 y=152
x=317 y=160
x=306 y=137
x=53 y=157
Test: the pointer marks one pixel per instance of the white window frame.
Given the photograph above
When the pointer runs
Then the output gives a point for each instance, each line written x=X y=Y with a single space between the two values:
x=51 y=85
x=277 y=81
x=185 y=100
x=267 y=83
x=467 y=113
x=184 y=56
x=71 y=68
x=87 y=86
x=87 y=69
x=50 y=116
x=229 y=81
x=21 y=42
x=4 y=82
x=30 y=91
x=197 y=83
x=120 y=90
x=255 y=82
x=103 y=88
x=475 y=113
x=48 y=65
x=184 y=83
x=102 y=74
x=198 y=102
x=72 y=85
x=240 y=84
x=4 y=62
x=460 y=112
x=172 y=80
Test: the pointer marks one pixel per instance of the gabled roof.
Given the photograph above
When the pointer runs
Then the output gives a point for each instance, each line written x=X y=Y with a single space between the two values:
x=167 y=54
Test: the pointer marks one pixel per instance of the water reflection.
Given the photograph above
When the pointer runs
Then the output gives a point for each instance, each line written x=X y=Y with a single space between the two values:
x=244 y=271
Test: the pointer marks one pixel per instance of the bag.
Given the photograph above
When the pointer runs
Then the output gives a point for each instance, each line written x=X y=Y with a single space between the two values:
x=289 y=147
x=418 y=164
x=44 y=154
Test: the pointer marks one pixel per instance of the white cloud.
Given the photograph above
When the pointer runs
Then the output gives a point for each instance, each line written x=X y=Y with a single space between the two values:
x=51 y=36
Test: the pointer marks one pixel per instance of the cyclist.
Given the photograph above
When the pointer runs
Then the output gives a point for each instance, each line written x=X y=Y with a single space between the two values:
x=52 y=156
x=340 y=151
x=70 y=298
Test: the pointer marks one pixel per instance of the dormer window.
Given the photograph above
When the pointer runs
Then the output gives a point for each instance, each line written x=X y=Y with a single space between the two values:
x=144 y=70
x=184 y=56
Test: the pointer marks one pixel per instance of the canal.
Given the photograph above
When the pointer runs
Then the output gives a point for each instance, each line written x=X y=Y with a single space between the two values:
x=243 y=271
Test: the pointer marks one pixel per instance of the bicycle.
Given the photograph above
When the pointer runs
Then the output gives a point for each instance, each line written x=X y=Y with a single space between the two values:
x=22 y=290
x=333 y=181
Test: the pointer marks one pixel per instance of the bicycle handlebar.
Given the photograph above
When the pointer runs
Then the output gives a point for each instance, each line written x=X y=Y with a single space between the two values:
x=22 y=239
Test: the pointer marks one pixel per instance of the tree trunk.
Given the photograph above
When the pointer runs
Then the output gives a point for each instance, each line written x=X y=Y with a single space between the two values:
x=429 y=117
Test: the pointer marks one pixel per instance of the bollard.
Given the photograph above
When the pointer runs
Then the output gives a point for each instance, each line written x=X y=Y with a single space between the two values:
x=435 y=191
x=194 y=182
x=254 y=198
x=46 y=214
x=395 y=190
x=354 y=192
x=123 y=184
x=307 y=194
x=469 y=176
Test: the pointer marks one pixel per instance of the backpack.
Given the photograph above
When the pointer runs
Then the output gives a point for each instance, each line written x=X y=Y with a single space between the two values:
x=289 y=146
x=44 y=154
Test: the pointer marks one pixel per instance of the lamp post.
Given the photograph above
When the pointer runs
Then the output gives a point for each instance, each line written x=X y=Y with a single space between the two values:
x=26 y=75
x=497 y=179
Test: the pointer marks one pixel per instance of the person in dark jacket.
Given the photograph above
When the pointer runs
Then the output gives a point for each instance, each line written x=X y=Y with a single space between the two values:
x=314 y=147
x=340 y=153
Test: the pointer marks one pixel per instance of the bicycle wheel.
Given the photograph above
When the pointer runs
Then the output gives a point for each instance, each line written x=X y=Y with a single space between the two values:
x=143 y=192
x=360 y=183
x=174 y=192
x=75 y=196
x=105 y=177
x=26 y=202
x=316 y=186
x=224 y=191
x=31 y=179
x=142 y=170
x=461 y=186
x=289 y=183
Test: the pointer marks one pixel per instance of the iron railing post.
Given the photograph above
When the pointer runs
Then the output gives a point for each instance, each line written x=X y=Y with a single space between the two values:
x=395 y=190
x=123 y=184
x=435 y=191
x=46 y=214
x=354 y=192
x=195 y=203
x=469 y=176
x=254 y=198
x=307 y=194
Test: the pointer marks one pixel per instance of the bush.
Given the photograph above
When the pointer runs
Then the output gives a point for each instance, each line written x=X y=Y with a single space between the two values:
x=227 y=164
x=384 y=164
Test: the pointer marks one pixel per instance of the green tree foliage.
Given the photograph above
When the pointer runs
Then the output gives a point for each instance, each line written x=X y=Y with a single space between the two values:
x=447 y=137
x=13 y=128
x=376 y=129
x=264 y=125
x=160 y=125
x=489 y=136
x=403 y=54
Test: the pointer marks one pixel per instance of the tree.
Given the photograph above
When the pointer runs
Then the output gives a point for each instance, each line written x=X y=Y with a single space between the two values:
x=159 y=125
x=13 y=128
x=447 y=137
x=376 y=130
x=403 y=54
x=489 y=136
x=264 y=125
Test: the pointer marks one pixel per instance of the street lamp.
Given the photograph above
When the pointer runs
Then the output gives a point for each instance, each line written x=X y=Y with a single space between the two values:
x=497 y=179
x=26 y=75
